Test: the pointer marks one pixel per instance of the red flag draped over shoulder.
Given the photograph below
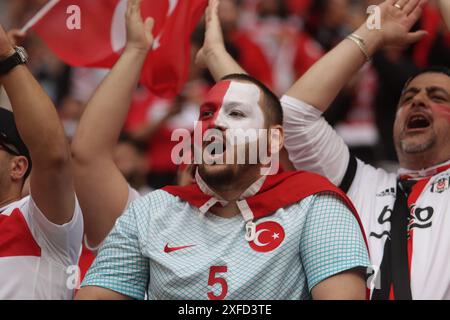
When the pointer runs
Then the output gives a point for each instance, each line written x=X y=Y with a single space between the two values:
x=99 y=37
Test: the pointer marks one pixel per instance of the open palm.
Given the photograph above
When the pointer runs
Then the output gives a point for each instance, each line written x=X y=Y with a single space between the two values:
x=397 y=19
x=139 y=33
x=213 y=34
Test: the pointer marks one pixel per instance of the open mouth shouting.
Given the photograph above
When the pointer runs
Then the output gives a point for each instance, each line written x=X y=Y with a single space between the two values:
x=214 y=148
x=417 y=122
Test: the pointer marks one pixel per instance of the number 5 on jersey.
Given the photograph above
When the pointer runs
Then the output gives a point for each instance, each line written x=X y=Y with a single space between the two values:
x=215 y=278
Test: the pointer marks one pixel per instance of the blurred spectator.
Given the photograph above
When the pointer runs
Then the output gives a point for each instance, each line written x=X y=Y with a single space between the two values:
x=70 y=113
x=130 y=159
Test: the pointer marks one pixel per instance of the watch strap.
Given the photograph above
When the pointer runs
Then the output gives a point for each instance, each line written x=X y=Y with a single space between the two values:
x=10 y=63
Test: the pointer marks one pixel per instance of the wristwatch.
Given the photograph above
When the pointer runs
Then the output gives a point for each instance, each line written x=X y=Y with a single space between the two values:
x=18 y=58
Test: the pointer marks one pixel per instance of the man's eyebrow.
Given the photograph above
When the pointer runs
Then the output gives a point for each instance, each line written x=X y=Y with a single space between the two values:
x=438 y=89
x=410 y=90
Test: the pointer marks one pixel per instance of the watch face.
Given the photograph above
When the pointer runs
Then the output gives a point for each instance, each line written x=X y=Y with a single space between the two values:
x=22 y=53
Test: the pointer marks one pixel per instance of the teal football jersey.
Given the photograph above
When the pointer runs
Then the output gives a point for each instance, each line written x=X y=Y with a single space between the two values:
x=164 y=248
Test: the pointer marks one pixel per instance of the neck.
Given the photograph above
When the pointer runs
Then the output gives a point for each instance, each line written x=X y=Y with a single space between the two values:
x=421 y=161
x=228 y=211
x=231 y=192
x=7 y=200
x=9 y=192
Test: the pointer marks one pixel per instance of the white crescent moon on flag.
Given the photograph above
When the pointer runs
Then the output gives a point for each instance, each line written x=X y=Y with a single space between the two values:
x=118 y=27
x=257 y=242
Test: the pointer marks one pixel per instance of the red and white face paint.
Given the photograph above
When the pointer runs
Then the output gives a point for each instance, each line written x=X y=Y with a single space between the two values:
x=442 y=110
x=231 y=130
x=232 y=126
x=232 y=105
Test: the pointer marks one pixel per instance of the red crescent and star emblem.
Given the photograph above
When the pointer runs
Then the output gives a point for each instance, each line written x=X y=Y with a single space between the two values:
x=269 y=236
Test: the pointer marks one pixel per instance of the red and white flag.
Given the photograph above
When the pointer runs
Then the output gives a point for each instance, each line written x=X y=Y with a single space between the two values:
x=92 y=33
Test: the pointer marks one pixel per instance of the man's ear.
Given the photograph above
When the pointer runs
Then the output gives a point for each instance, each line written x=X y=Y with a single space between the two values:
x=276 y=139
x=19 y=166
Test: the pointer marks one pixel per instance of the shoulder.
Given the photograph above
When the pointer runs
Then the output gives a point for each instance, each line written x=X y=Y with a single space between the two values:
x=368 y=179
x=21 y=206
x=154 y=203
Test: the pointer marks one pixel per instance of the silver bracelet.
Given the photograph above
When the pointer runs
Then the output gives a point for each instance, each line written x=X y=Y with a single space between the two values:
x=361 y=44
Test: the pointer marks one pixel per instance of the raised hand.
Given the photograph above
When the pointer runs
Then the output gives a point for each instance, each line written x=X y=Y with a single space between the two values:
x=139 y=32
x=6 y=47
x=397 y=19
x=213 y=34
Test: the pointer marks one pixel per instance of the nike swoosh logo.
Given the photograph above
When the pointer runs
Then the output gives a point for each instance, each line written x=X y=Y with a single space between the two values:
x=168 y=249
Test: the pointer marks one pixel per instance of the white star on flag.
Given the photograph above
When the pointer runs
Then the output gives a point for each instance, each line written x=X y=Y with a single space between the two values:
x=275 y=235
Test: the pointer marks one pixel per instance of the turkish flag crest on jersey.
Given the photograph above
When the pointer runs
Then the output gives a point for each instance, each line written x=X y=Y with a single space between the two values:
x=92 y=33
x=269 y=236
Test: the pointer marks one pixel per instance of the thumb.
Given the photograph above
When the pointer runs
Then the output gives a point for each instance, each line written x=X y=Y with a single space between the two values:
x=414 y=37
x=149 y=24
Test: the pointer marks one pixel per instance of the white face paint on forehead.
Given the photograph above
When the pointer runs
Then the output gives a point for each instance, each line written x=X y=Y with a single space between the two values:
x=240 y=108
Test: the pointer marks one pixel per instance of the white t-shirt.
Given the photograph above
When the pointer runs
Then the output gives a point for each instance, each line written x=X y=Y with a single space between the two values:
x=37 y=257
x=314 y=146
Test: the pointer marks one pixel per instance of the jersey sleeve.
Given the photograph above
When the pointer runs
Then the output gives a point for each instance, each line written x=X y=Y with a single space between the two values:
x=312 y=143
x=120 y=265
x=63 y=242
x=331 y=240
x=133 y=194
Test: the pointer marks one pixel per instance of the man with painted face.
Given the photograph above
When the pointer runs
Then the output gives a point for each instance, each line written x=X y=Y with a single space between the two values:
x=235 y=233
x=405 y=215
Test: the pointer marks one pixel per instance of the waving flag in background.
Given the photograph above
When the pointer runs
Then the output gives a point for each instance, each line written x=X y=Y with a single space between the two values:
x=101 y=36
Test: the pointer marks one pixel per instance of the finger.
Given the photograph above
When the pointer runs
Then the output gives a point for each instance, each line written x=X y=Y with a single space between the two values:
x=133 y=7
x=414 y=37
x=416 y=14
x=213 y=8
x=17 y=33
x=212 y=12
x=149 y=22
x=401 y=4
x=410 y=6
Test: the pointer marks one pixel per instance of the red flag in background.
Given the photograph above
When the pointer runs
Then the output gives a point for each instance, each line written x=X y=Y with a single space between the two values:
x=99 y=38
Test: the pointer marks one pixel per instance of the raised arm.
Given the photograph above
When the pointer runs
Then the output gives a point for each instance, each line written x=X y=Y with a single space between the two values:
x=39 y=126
x=101 y=188
x=337 y=67
x=213 y=54
x=444 y=6
x=312 y=143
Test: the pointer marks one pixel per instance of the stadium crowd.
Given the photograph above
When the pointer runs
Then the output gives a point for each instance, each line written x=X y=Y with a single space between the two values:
x=114 y=142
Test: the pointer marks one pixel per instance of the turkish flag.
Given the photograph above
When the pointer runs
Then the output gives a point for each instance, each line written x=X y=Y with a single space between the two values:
x=92 y=33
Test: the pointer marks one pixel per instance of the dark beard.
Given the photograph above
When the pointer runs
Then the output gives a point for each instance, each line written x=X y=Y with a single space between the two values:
x=217 y=180
x=231 y=177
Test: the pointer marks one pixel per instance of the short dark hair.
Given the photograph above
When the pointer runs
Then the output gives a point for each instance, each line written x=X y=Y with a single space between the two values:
x=271 y=103
x=433 y=69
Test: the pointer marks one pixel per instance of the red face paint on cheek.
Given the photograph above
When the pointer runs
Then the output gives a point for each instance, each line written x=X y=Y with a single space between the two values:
x=210 y=108
x=442 y=110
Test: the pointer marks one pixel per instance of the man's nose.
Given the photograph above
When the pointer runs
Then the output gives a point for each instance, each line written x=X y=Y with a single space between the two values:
x=219 y=123
x=419 y=100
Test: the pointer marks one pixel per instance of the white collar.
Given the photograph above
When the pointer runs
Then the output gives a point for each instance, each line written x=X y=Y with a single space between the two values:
x=215 y=198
